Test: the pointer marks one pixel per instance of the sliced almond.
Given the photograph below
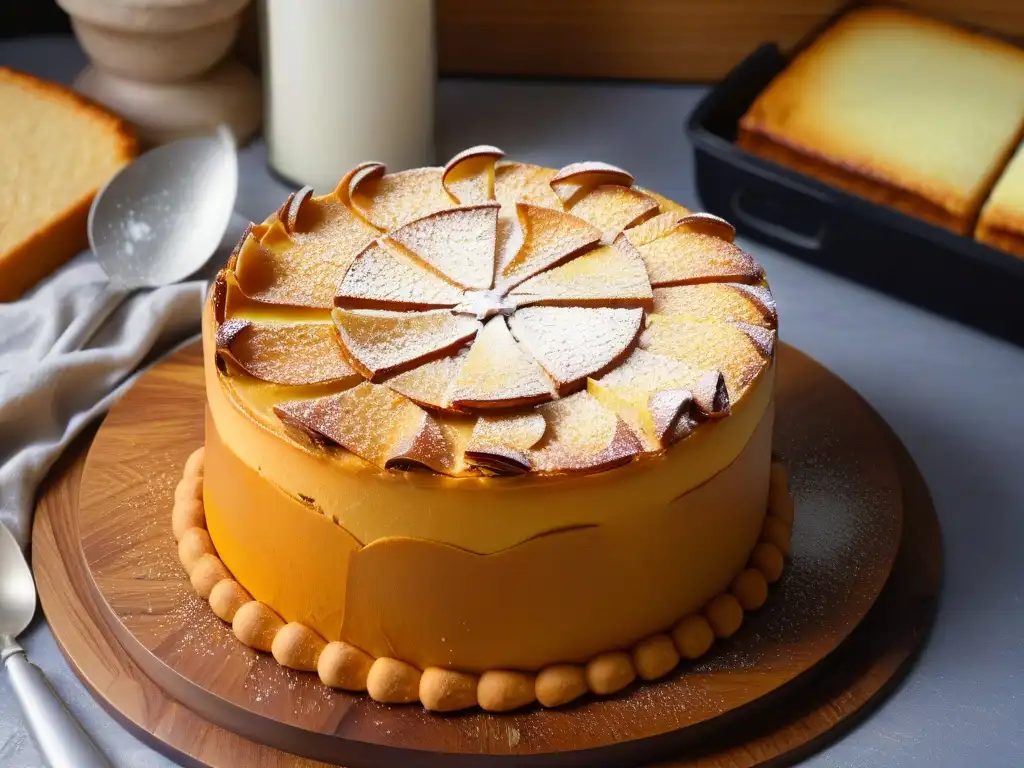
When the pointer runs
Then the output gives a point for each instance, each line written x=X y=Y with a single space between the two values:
x=572 y=343
x=373 y=422
x=289 y=212
x=232 y=301
x=219 y=296
x=627 y=390
x=681 y=430
x=549 y=238
x=458 y=242
x=394 y=199
x=457 y=430
x=576 y=179
x=497 y=373
x=228 y=331
x=276 y=237
x=685 y=256
x=763 y=338
x=613 y=208
x=287 y=353
x=469 y=176
x=420 y=444
x=281 y=214
x=582 y=436
x=608 y=276
x=667 y=408
x=654 y=228
x=379 y=343
x=500 y=444
x=711 y=395
x=706 y=346
x=427 y=385
x=352 y=180
x=752 y=304
x=709 y=224
x=523 y=183
x=510 y=241
x=293 y=218
x=302 y=269
x=382 y=276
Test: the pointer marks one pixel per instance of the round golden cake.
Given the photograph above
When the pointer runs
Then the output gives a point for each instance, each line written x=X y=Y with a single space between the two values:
x=487 y=417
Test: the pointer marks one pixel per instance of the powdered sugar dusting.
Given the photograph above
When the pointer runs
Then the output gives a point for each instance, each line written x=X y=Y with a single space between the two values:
x=572 y=343
x=460 y=243
x=383 y=275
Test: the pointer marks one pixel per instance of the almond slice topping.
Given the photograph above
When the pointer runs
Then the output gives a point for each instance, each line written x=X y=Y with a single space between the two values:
x=352 y=180
x=582 y=436
x=670 y=415
x=457 y=242
x=752 y=304
x=379 y=343
x=394 y=199
x=654 y=228
x=302 y=269
x=383 y=276
x=608 y=276
x=523 y=183
x=763 y=338
x=706 y=346
x=613 y=208
x=427 y=385
x=501 y=444
x=628 y=391
x=711 y=396
x=497 y=373
x=373 y=422
x=219 y=291
x=420 y=444
x=469 y=176
x=684 y=256
x=286 y=353
x=290 y=214
x=549 y=238
x=572 y=343
x=576 y=179
x=709 y=224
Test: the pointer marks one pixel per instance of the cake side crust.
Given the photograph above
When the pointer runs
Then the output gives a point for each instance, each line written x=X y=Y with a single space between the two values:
x=344 y=665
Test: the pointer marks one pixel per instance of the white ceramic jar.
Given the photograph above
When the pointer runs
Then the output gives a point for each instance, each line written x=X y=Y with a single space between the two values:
x=347 y=81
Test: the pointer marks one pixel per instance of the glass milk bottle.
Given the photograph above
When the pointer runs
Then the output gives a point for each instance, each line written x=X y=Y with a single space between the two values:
x=347 y=81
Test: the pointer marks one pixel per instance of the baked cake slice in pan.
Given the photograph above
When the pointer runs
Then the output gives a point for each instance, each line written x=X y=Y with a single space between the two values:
x=903 y=110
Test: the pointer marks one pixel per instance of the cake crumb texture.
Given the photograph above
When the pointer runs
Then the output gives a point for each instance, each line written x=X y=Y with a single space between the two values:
x=56 y=151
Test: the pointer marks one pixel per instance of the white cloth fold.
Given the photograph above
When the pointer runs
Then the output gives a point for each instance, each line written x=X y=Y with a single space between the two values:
x=45 y=401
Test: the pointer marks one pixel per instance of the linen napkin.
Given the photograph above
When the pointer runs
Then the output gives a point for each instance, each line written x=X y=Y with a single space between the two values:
x=46 y=400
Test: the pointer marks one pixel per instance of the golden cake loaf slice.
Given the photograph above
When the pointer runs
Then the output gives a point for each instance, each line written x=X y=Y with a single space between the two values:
x=1001 y=223
x=903 y=110
x=56 y=151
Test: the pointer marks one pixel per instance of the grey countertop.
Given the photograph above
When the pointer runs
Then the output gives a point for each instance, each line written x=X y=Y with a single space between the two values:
x=953 y=395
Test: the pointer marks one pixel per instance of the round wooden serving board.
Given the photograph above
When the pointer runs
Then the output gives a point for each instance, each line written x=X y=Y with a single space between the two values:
x=795 y=676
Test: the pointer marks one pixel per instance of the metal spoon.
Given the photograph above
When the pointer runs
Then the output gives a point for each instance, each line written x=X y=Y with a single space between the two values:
x=60 y=738
x=157 y=221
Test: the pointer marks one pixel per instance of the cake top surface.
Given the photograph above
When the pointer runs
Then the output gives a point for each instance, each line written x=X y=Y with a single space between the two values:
x=903 y=99
x=491 y=318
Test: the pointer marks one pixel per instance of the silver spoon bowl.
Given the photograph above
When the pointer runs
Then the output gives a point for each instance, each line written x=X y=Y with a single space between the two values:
x=60 y=738
x=158 y=221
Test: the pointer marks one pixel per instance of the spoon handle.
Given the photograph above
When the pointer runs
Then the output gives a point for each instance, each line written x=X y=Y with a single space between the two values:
x=84 y=327
x=60 y=738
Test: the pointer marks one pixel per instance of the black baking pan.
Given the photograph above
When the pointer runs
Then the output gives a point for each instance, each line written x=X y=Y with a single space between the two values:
x=870 y=243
